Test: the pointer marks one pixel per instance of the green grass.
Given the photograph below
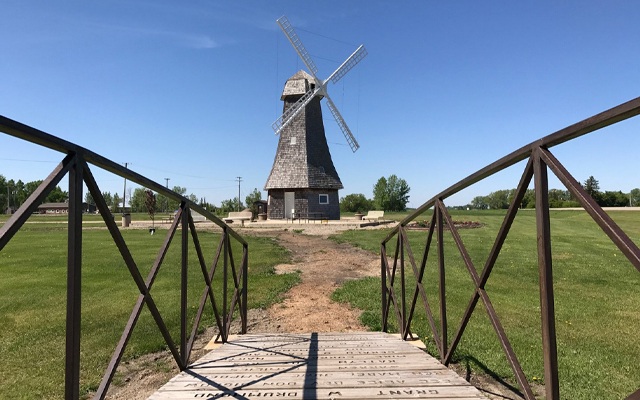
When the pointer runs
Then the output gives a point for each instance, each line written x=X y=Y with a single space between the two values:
x=596 y=297
x=33 y=298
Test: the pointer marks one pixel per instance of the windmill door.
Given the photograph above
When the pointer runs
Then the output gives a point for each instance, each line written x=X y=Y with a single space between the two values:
x=289 y=204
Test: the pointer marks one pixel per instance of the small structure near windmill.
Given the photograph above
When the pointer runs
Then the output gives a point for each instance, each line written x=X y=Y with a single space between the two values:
x=303 y=181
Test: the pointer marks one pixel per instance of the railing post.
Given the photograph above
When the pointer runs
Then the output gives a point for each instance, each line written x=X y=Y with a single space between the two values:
x=441 y=283
x=183 y=284
x=403 y=309
x=225 y=277
x=383 y=276
x=74 y=264
x=245 y=273
x=549 y=345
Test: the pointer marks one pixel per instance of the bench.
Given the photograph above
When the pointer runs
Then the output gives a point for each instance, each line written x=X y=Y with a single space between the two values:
x=239 y=216
x=315 y=216
x=167 y=219
x=374 y=215
x=309 y=215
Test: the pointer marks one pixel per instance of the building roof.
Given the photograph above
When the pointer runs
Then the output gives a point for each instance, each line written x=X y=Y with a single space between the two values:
x=54 y=205
x=297 y=85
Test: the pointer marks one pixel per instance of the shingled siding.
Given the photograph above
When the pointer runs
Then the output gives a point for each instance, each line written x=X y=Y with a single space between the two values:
x=303 y=159
x=303 y=162
x=306 y=201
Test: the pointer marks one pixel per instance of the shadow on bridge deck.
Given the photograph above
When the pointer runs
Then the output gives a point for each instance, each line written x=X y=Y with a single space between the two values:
x=363 y=365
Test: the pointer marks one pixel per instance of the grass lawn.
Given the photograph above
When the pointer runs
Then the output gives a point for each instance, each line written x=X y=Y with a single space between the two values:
x=33 y=299
x=597 y=299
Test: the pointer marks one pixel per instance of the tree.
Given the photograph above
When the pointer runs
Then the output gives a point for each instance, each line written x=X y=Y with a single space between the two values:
x=559 y=198
x=31 y=187
x=207 y=206
x=498 y=199
x=480 y=203
x=88 y=198
x=529 y=199
x=634 y=197
x=251 y=199
x=163 y=202
x=391 y=194
x=150 y=203
x=592 y=187
x=20 y=193
x=174 y=204
x=108 y=198
x=57 y=195
x=3 y=193
x=137 y=201
x=355 y=203
x=226 y=206
x=613 y=199
x=116 y=202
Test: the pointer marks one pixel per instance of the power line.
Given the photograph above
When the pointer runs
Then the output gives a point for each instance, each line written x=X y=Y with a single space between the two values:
x=124 y=191
x=21 y=160
x=326 y=37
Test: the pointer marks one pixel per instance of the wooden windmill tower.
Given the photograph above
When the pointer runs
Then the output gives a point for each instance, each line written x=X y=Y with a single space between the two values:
x=303 y=179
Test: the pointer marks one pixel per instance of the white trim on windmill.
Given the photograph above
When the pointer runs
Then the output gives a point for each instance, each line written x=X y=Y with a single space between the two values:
x=320 y=87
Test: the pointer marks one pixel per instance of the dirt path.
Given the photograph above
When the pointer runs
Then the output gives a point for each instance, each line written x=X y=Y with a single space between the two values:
x=324 y=266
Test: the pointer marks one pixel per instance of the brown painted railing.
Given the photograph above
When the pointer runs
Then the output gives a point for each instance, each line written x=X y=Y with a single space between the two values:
x=76 y=165
x=539 y=160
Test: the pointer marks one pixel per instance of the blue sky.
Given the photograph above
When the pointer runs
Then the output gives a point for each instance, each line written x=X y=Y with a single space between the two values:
x=188 y=90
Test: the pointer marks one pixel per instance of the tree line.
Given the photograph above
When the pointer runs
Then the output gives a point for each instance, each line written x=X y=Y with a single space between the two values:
x=558 y=198
x=389 y=194
x=164 y=204
x=14 y=193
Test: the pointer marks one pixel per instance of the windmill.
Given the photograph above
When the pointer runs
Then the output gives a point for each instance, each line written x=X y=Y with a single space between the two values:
x=303 y=181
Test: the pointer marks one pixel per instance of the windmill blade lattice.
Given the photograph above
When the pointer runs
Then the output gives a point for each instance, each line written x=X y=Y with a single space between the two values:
x=291 y=34
x=353 y=143
x=320 y=86
x=291 y=113
x=346 y=66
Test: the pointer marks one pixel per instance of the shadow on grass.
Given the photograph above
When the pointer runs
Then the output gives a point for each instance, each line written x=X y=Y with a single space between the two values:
x=468 y=361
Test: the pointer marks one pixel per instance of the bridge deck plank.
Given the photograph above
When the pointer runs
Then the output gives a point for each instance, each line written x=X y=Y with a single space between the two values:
x=318 y=366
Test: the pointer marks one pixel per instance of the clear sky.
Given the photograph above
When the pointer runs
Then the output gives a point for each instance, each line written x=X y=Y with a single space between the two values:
x=188 y=90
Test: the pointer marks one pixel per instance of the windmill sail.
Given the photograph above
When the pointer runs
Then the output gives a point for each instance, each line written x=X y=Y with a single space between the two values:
x=320 y=87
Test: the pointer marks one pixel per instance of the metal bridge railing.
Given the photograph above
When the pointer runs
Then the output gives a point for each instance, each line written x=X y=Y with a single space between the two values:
x=234 y=269
x=540 y=160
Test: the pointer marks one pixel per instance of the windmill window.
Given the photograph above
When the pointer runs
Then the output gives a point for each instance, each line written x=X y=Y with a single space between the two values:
x=323 y=199
x=293 y=140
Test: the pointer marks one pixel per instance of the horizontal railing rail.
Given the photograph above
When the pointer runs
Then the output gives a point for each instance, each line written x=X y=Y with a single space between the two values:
x=75 y=164
x=539 y=161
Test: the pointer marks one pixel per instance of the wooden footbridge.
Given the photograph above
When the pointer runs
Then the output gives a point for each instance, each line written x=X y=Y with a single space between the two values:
x=363 y=365
x=339 y=366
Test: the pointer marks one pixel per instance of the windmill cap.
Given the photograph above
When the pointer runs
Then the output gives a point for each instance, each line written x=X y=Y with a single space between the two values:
x=298 y=84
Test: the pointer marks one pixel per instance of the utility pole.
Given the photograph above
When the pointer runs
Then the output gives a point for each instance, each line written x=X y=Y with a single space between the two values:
x=166 y=199
x=124 y=192
x=239 y=178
